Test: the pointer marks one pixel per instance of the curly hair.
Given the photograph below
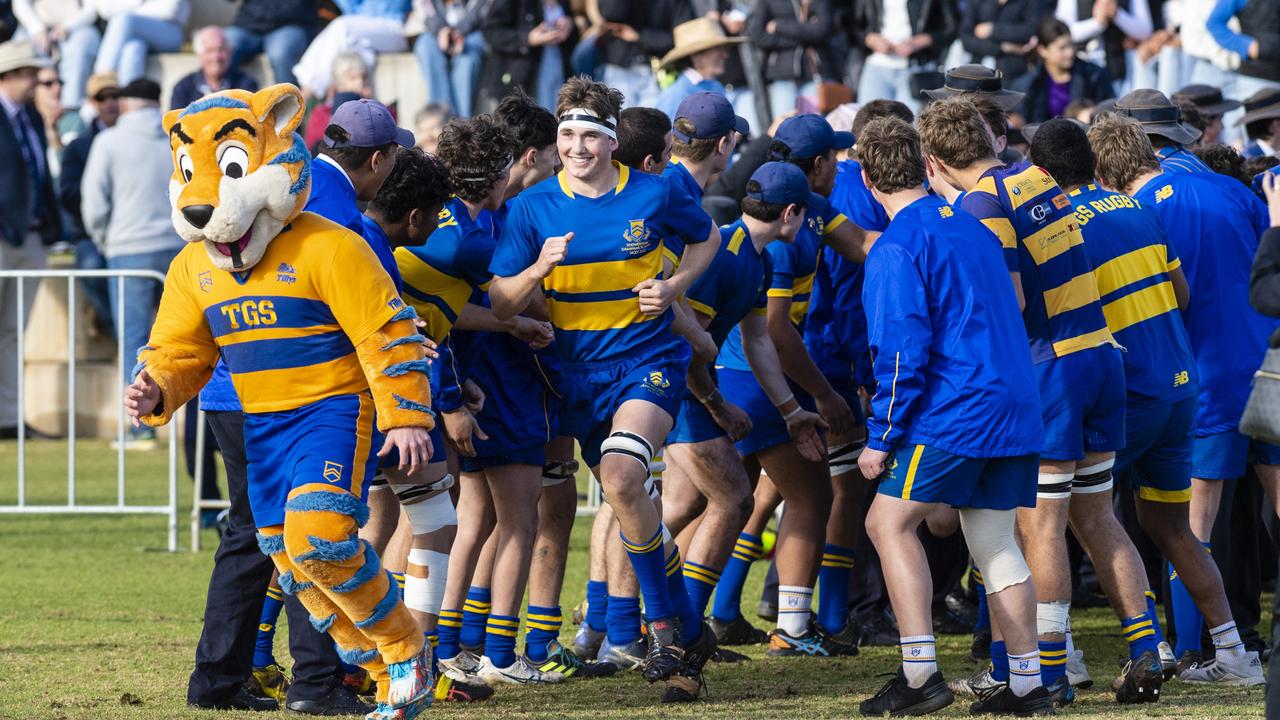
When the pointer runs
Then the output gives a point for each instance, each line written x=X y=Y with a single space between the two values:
x=417 y=182
x=890 y=152
x=477 y=152
x=1224 y=160
x=528 y=123
x=583 y=92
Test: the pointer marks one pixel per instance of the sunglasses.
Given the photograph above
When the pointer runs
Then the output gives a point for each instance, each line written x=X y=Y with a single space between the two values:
x=49 y=83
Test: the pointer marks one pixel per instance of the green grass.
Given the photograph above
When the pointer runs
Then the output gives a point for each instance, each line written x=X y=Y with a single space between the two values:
x=96 y=621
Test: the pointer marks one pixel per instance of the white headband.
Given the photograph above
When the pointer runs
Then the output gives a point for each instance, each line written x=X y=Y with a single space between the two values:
x=584 y=119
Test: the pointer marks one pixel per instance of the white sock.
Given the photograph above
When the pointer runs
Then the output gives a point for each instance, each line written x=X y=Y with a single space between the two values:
x=1071 y=646
x=919 y=658
x=1226 y=641
x=1024 y=672
x=794 y=602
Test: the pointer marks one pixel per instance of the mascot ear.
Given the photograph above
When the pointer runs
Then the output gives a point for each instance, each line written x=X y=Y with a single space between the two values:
x=171 y=119
x=282 y=104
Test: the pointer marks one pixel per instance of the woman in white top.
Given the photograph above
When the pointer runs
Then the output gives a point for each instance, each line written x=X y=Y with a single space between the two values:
x=70 y=26
x=136 y=28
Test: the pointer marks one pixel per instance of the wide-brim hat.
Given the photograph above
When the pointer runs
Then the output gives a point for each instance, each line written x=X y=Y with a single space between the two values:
x=694 y=36
x=19 y=54
x=1208 y=98
x=976 y=79
x=1261 y=105
x=1157 y=114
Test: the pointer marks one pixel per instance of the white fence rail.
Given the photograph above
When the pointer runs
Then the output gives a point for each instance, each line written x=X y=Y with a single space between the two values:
x=72 y=506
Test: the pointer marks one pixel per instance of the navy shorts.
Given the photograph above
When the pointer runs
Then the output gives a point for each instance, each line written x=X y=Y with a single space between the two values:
x=767 y=426
x=694 y=424
x=519 y=413
x=1082 y=398
x=929 y=475
x=593 y=391
x=1156 y=459
x=331 y=442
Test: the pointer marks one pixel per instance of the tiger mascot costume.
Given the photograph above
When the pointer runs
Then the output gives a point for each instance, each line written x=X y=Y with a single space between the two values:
x=324 y=356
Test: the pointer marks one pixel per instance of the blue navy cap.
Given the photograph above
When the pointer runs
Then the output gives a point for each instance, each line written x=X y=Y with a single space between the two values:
x=370 y=124
x=810 y=135
x=779 y=183
x=712 y=116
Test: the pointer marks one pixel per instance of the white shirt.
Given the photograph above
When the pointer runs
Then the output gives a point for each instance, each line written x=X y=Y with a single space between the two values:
x=895 y=26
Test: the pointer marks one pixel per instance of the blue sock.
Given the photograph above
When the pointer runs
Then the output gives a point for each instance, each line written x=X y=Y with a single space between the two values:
x=433 y=639
x=542 y=625
x=690 y=619
x=999 y=661
x=597 y=604
x=1187 y=620
x=1155 y=617
x=833 y=587
x=726 y=607
x=649 y=560
x=500 y=639
x=475 y=616
x=1139 y=634
x=398 y=579
x=449 y=628
x=623 y=621
x=700 y=581
x=984 y=614
x=1053 y=661
x=271 y=606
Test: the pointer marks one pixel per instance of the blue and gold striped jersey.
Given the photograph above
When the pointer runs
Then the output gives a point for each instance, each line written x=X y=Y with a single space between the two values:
x=1041 y=239
x=1132 y=259
x=679 y=176
x=617 y=244
x=733 y=285
x=794 y=266
x=449 y=271
x=287 y=327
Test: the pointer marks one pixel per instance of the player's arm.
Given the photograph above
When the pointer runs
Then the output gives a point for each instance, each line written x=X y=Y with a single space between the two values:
x=762 y=356
x=799 y=366
x=480 y=318
x=1181 y=289
x=849 y=239
x=510 y=296
x=989 y=212
x=178 y=359
x=656 y=295
x=900 y=333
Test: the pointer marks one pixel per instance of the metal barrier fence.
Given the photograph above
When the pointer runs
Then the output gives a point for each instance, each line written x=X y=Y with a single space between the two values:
x=72 y=507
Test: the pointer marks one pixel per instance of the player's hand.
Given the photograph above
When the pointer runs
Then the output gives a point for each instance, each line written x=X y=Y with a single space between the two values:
x=552 y=254
x=655 y=296
x=414 y=444
x=537 y=333
x=871 y=463
x=804 y=428
x=836 y=412
x=472 y=397
x=703 y=346
x=1271 y=189
x=141 y=398
x=460 y=426
x=732 y=419
x=428 y=345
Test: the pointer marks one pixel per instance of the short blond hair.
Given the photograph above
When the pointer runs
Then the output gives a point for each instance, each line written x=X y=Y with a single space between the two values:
x=954 y=131
x=1121 y=150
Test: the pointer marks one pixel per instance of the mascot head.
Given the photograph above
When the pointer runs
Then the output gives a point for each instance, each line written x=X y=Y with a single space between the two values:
x=241 y=172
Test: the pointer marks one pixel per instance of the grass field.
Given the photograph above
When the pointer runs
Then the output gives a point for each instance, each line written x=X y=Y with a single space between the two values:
x=97 y=621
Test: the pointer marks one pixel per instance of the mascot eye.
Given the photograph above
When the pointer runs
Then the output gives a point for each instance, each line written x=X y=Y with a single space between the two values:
x=234 y=161
x=186 y=167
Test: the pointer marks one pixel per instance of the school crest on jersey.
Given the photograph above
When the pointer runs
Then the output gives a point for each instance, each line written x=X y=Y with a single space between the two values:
x=205 y=279
x=636 y=238
x=332 y=471
x=657 y=383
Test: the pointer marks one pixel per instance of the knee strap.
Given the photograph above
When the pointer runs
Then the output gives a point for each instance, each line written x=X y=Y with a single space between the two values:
x=844 y=458
x=630 y=445
x=431 y=514
x=557 y=471
x=991 y=542
x=1054 y=486
x=426 y=594
x=409 y=493
x=1094 y=479
x=1053 y=618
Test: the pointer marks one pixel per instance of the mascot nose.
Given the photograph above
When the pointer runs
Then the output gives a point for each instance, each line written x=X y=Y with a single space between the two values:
x=198 y=215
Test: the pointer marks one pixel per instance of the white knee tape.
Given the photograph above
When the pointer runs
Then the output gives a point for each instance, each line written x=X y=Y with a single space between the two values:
x=1053 y=618
x=432 y=514
x=1054 y=486
x=1094 y=478
x=556 y=472
x=629 y=445
x=991 y=542
x=426 y=594
x=843 y=459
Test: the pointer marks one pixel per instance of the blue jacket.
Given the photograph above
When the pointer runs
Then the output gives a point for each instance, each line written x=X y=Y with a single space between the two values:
x=334 y=197
x=952 y=360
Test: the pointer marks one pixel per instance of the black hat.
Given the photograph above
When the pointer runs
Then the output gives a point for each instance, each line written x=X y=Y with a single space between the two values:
x=142 y=89
x=977 y=79
x=1261 y=105
x=1208 y=98
x=1157 y=114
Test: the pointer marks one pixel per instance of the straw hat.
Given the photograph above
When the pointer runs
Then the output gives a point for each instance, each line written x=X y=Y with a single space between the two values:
x=20 y=54
x=696 y=35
